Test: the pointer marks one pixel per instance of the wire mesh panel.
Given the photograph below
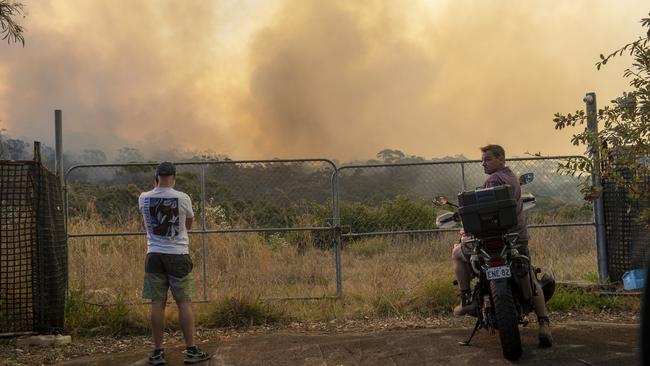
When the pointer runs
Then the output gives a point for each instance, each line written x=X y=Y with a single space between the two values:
x=33 y=249
x=628 y=240
x=561 y=223
x=51 y=275
x=558 y=199
x=396 y=198
x=276 y=232
x=17 y=242
x=273 y=265
x=278 y=210
x=269 y=194
x=103 y=199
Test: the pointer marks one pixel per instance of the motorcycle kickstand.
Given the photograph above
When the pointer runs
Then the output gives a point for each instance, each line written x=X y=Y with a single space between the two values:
x=476 y=327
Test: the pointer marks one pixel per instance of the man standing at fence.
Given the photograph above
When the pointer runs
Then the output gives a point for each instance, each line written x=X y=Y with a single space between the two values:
x=494 y=164
x=168 y=216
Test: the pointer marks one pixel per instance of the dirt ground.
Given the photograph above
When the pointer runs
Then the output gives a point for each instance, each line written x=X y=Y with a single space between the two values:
x=576 y=343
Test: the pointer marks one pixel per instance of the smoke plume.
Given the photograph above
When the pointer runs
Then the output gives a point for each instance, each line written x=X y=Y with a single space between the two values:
x=337 y=79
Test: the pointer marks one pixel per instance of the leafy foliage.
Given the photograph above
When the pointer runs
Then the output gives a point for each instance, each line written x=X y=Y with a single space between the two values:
x=85 y=318
x=9 y=29
x=565 y=299
x=623 y=141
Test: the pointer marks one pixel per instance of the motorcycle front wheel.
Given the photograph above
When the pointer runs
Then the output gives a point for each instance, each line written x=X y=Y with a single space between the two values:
x=506 y=319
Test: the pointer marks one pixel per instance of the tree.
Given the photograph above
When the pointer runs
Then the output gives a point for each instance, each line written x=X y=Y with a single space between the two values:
x=13 y=149
x=624 y=137
x=9 y=29
x=390 y=156
x=129 y=155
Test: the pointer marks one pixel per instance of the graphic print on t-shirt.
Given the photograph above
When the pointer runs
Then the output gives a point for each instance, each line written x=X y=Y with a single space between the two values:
x=163 y=213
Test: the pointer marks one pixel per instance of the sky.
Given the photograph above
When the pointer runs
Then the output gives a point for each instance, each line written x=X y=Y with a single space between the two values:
x=338 y=79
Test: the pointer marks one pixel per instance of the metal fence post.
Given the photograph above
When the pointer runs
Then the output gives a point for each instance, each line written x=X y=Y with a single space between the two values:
x=599 y=211
x=203 y=235
x=337 y=230
x=462 y=173
x=58 y=144
x=58 y=161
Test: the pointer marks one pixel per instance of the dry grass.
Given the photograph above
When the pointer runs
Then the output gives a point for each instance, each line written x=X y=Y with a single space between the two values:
x=382 y=276
x=568 y=252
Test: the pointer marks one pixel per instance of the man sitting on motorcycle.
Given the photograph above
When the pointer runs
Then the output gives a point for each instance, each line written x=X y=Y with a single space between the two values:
x=494 y=164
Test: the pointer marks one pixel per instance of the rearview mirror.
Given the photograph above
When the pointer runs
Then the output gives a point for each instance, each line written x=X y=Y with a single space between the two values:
x=446 y=220
x=526 y=178
x=442 y=201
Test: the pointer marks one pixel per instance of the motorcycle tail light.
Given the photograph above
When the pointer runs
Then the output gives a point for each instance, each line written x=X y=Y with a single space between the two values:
x=496 y=262
x=493 y=246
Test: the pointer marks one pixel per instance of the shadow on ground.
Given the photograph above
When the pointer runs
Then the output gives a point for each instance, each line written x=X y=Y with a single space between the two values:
x=577 y=343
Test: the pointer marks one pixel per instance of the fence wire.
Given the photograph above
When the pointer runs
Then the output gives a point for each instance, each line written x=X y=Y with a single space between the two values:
x=255 y=222
x=271 y=228
x=396 y=199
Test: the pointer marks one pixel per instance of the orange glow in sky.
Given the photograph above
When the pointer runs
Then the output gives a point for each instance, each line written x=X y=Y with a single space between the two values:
x=299 y=78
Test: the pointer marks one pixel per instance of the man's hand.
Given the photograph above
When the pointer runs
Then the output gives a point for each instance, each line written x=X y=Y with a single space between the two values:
x=188 y=223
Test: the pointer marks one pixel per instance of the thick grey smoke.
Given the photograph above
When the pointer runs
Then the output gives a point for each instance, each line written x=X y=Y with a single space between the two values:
x=339 y=79
x=350 y=78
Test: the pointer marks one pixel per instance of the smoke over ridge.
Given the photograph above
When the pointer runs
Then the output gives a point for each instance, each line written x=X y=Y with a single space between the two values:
x=338 y=79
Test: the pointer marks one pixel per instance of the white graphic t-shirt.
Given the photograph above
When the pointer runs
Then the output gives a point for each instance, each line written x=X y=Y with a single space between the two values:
x=164 y=211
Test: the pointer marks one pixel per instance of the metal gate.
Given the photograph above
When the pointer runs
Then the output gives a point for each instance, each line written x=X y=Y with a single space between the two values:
x=253 y=218
x=561 y=226
x=280 y=225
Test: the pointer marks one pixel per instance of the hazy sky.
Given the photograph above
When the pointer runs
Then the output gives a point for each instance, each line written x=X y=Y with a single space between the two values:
x=299 y=78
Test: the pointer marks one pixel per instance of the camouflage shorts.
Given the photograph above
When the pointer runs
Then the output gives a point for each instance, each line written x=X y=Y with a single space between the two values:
x=168 y=271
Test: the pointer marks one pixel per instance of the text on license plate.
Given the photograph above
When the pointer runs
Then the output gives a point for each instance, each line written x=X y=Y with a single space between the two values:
x=495 y=273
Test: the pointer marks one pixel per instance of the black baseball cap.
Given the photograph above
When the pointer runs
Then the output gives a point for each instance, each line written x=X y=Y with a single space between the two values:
x=165 y=169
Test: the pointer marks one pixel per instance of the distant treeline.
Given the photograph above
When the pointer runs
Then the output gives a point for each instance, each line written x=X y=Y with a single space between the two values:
x=19 y=149
x=277 y=194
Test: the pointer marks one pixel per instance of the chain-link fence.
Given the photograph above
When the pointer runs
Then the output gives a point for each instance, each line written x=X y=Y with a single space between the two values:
x=33 y=251
x=271 y=228
x=261 y=228
x=378 y=202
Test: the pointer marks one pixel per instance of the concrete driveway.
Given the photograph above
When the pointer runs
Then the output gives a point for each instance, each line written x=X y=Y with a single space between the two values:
x=576 y=343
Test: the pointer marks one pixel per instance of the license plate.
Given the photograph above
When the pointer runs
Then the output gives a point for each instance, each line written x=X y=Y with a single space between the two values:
x=495 y=273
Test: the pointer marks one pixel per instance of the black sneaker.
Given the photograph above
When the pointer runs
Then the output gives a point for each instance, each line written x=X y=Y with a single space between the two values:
x=157 y=357
x=467 y=305
x=194 y=354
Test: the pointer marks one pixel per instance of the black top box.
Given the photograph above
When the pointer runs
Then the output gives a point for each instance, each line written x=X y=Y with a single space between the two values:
x=488 y=211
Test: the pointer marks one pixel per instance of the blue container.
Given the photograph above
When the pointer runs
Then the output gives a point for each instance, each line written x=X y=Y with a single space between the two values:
x=634 y=280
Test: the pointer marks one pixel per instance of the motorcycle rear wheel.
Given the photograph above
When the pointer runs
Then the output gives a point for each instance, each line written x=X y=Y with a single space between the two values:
x=506 y=319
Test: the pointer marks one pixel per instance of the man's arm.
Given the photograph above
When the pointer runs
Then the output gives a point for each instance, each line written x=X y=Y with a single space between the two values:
x=492 y=181
x=189 y=213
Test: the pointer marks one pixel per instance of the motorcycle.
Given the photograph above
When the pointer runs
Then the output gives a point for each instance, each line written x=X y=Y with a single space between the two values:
x=506 y=280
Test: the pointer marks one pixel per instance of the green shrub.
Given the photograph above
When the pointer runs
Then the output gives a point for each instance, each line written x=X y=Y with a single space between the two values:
x=566 y=300
x=403 y=213
x=113 y=200
x=399 y=213
x=116 y=320
x=242 y=312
